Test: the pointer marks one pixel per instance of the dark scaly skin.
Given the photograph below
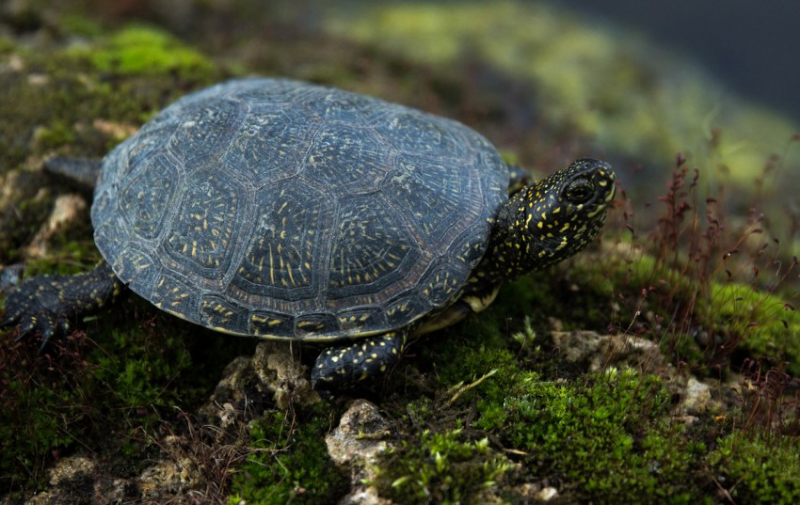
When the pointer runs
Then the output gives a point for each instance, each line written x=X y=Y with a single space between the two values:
x=337 y=367
x=47 y=303
x=541 y=224
x=547 y=222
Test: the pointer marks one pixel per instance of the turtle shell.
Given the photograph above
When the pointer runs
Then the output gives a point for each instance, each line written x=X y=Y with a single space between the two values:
x=276 y=208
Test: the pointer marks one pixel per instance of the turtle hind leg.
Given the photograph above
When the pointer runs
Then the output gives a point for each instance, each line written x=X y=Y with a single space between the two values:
x=82 y=173
x=344 y=366
x=47 y=303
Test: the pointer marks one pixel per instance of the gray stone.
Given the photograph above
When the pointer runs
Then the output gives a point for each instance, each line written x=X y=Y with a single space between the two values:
x=70 y=468
x=177 y=473
x=68 y=210
x=546 y=494
x=279 y=369
x=356 y=444
x=66 y=471
x=360 y=436
x=602 y=351
x=229 y=402
x=697 y=397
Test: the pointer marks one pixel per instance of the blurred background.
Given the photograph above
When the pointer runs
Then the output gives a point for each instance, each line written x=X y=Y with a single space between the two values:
x=632 y=82
x=752 y=46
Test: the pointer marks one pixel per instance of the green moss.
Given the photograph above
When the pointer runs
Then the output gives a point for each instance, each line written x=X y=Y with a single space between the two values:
x=605 y=438
x=290 y=461
x=151 y=359
x=528 y=304
x=56 y=135
x=770 y=328
x=37 y=415
x=144 y=50
x=758 y=470
x=757 y=324
x=73 y=104
x=462 y=360
x=32 y=425
x=71 y=251
x=139 y=365
x=439 y=468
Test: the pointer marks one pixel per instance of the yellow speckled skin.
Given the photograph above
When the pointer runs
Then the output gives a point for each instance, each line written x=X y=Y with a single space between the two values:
x=548 y=221
x=280 y=209
x=541 y=224
x=46 y=304
x=347 y=365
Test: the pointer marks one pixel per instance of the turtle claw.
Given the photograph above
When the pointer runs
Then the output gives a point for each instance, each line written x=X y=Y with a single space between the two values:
x=26 y=327
x=25 y=311
x=45 y=304
x=31 y=325
x=62 y=326
x=47 y=334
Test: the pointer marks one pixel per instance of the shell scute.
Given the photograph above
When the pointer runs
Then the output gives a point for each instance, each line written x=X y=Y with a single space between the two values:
x=283 y=242
x=277 y=208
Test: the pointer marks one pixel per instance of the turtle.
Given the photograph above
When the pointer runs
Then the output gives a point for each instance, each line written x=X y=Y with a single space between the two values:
x=281 y=209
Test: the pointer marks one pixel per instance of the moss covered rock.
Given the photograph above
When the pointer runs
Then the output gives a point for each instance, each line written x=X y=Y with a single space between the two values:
x=493 y=410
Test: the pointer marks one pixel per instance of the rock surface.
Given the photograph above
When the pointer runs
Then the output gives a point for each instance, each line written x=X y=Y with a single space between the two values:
x=599 y=352
x=278 y=367
x=68 y=209
x=362 y=436
x=602 y=351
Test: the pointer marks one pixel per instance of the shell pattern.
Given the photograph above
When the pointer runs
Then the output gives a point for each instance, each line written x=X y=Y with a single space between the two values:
x=276 y=208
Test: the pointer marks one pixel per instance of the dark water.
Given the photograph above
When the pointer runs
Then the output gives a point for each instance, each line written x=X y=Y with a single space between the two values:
x=752 y=45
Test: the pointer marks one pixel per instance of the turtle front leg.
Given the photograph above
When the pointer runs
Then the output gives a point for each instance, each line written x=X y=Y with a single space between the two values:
x=344 y=366
x=46 y=303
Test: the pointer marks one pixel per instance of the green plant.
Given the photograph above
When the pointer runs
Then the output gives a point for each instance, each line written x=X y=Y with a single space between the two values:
x=605 y=438
x=288 y=461
x=757 y=468
x=439 y=468
x=143 y=50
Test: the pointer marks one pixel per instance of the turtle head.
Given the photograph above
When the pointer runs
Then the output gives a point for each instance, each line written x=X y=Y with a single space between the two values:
x=565 y=211
x=549 y=220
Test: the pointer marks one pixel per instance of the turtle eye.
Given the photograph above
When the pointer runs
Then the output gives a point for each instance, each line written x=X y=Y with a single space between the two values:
x=579 y=191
